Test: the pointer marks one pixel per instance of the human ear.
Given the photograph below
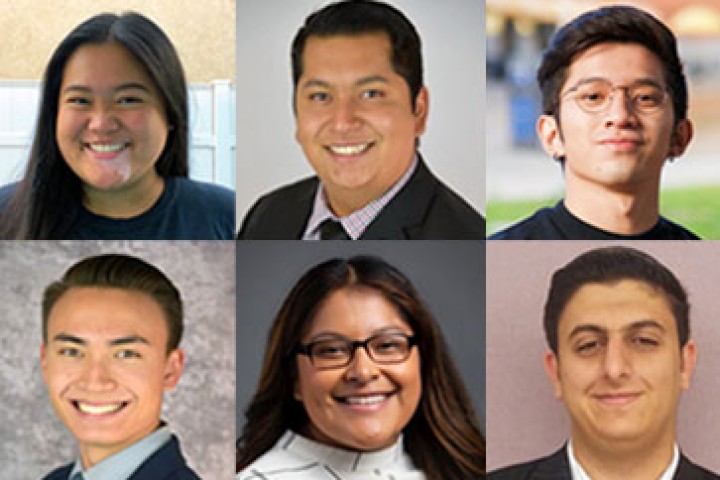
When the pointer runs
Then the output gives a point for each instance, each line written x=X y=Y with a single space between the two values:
x=43 y=360
x=422 y=104
x=550 y=136
x=689 y=360
x=174 y=365
x=682 y=134
x=551 y=369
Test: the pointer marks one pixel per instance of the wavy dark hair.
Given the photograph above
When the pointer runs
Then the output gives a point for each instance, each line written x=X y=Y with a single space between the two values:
x=47 y=200
x=443 y=438
x=126 y=273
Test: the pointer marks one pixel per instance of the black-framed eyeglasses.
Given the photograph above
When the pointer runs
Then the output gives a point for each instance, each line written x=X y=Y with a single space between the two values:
x=383 y=348
x=595 y=95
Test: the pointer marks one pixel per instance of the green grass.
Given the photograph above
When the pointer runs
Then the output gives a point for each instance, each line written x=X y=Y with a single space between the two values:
x=695 y=208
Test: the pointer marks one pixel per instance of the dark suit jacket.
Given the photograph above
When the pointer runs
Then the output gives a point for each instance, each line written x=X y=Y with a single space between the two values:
x=423 y=209
x=557 y=467
x=167 y=463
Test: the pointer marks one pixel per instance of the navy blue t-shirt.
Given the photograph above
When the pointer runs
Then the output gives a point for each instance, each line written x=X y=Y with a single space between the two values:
x=186 y=210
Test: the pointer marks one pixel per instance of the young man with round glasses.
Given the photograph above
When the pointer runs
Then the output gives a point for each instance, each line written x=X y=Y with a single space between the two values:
x=614 y=110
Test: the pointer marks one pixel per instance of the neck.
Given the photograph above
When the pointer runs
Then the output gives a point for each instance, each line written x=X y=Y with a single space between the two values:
x=626 y=212
x=126 y=202
x=613 y=460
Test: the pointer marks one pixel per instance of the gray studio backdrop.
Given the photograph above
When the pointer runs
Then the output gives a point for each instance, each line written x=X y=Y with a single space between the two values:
x=525 y=420
x=449 y=276
x=32 y=440
x=453 y=44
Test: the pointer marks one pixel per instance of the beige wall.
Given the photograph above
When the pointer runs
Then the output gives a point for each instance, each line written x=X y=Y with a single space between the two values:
x=202 y=31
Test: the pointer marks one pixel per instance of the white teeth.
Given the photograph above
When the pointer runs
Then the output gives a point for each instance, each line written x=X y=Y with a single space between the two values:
x=105 y=148
x=99 y=409
x=365 y=400
x=349 y=149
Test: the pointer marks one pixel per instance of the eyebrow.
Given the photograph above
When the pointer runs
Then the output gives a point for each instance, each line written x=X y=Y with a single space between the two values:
x=118 y=88
x=316 y=82
x=640 y=324
x=128 y=340
x=388 y=329
x=639 y=81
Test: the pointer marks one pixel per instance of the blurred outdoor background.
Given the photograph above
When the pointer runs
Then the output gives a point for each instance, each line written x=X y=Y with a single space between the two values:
x=521 y=177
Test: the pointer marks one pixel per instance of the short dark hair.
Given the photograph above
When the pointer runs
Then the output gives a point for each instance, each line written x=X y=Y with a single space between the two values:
x=358 y=17
x=622 y=24
x=443 y=438
x=610 y=265
x=48 y=199
x=122 y=272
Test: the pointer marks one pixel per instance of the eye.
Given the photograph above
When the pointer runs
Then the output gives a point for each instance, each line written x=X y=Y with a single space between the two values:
x=71 y=352
x=648 y=97
x=127 y=353
x=129 y=100
x=80 y=101
x=389 y=345
x=645 y=342
x=588 y=347
x=332 y=349
x=373 y=93
x=319 y=97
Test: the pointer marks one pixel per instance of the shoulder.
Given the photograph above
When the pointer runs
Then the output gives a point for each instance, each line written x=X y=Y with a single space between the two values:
x=167 y=463
x=217 y=195
x=535 y=227
x=669 y=230
x=281 y=213
x=455 y=210
x=60 y=473
x=687 y=470
x=553 y=467
x=275 y=463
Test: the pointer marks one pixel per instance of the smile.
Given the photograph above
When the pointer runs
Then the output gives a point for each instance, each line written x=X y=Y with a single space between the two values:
x=106 y=147
x=369 y=400
x=616 y=399
x=94 y=409
x=347 y=150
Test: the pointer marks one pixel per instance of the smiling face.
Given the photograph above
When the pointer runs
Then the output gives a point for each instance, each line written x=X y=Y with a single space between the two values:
x=619 y=368
x=111 y=124
x=355 y=119
x=620 y=148
x=363 y=406
x=106 y=367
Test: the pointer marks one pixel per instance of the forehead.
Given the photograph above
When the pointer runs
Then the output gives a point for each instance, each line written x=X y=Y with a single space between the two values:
x=356 y=312
x=615 y=306
x=620 y=63
x=101 y=63
x=338 y=54
x=106 y=313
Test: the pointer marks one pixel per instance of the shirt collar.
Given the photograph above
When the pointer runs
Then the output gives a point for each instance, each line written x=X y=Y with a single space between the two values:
x=393 y=457
x=122 y=464
x=578 y=473
x=357 y=222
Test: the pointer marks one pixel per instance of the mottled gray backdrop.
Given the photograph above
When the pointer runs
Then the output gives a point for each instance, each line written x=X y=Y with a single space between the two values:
x=449 y=276
x=201 y=408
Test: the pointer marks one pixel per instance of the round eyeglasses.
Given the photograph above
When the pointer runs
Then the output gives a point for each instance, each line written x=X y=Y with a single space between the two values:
x=596 y=95
x=384 y=349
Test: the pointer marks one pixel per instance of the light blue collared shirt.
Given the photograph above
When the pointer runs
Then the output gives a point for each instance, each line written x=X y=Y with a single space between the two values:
x=355 y=223
x=122 y=464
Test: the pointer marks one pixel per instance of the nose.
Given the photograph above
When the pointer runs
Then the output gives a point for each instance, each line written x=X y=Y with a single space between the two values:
x=361 y=368
x=617 y=364
x=97 y=375
x=620 y=111
x=102 y=119
x=345 y=116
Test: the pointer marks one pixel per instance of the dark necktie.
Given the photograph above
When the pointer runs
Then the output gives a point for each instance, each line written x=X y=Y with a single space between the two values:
x=332 y=230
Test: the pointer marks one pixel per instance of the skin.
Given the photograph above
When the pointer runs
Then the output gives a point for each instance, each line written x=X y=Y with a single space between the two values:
x=108 y=347
x=350 y=96
x=356 y=314
x=107 y=98
x=614 y=159
x=620 y=371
